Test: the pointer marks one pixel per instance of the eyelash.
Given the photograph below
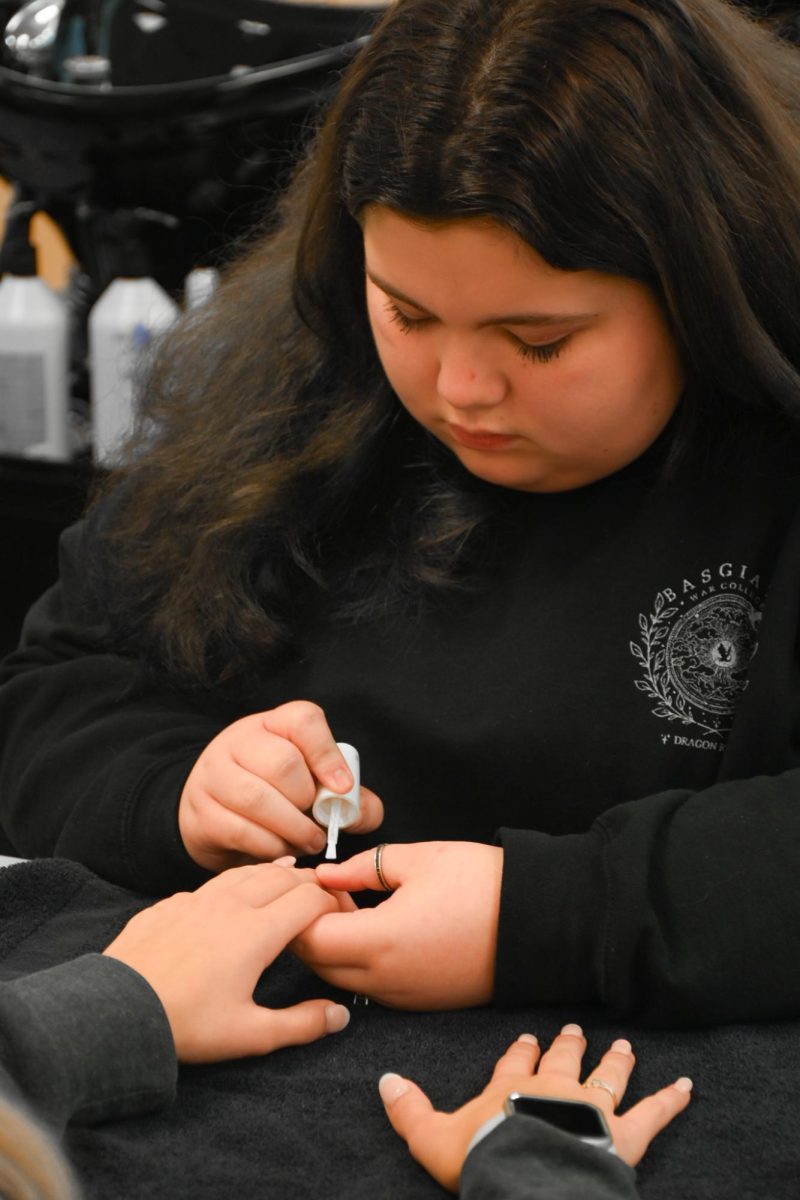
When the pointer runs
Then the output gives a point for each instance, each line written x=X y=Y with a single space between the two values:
x=400 y=318
x=536 y=353
x=540 y=353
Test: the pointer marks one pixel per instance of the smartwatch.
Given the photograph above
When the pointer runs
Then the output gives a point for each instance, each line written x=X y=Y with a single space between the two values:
x=583 y=1121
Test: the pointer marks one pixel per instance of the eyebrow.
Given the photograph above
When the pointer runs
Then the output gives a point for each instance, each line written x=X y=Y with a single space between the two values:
x=541 y=320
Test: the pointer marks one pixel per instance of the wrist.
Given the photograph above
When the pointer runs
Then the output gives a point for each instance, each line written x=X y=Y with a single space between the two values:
x=578 y=1119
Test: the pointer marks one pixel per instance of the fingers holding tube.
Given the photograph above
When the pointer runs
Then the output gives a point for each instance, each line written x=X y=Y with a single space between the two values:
x=304 y=725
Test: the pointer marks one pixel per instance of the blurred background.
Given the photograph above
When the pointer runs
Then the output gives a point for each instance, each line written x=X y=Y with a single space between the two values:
x=140 y=141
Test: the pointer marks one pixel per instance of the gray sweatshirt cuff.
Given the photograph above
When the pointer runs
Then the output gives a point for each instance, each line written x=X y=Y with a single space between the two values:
x=87 y=1041
x=523 y=1157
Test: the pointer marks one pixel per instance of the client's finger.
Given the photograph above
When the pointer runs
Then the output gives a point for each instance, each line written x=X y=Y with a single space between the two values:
x=613 y=1071
x=285 y=918
x=339 y=939
x=520 y=1058
x=430 y=1135
x=262 y=883
x=565 y=1053
x=406 y=1104
x=227 y=880
x=273 y=1028
x=634 y=1132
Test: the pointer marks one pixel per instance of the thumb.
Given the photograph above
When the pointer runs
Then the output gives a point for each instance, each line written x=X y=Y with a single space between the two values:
x=273 y=1028
x=407 y=1106
x=634 y=1132
x=371 y=815
x=427 y=1133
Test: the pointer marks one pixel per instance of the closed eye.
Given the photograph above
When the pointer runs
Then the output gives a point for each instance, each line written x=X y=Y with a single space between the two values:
x=544 y=353
x=406 y=323
x=537 y=353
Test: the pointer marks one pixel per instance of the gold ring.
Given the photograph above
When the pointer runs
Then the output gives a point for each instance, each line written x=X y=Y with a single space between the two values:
x=594 y=1082
x=378 y=869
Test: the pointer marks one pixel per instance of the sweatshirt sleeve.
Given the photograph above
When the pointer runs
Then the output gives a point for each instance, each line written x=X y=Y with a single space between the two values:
x=523 y=1158
x=95 y=749
x=679 y=908
x=86 y=1041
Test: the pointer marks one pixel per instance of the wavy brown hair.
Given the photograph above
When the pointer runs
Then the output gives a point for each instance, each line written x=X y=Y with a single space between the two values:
x=653 y=139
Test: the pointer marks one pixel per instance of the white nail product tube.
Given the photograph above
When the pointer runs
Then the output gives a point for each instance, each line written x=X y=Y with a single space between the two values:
x=339 y=810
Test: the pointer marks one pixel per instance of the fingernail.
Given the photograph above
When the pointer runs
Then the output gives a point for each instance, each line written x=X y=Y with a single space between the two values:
x=528 y=1037
x=574 y=1030
x=288 y=860
x=342 y=779
x=622 y=1046
x=684 y=1084
x=392 y=1087
x=317 y=842
x=337 y=1018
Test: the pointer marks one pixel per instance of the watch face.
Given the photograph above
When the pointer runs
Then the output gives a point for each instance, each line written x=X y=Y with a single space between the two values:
x=573 y=1116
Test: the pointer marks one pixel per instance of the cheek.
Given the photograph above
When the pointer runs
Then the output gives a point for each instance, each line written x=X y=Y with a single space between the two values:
x=624 y=389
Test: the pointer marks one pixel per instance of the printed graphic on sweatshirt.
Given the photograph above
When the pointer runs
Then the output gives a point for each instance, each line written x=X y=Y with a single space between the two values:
x=695 y=648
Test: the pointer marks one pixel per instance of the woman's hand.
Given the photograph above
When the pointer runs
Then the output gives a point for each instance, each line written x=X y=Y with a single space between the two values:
x=203 y=952
x=248 y=794
x=431 y=944
x=439 y=1141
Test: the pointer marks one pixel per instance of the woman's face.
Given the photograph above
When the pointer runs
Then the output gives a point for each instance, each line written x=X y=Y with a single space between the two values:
x=537 y=379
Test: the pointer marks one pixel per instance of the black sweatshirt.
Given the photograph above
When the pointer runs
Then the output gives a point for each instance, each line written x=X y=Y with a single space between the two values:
x=619 y=698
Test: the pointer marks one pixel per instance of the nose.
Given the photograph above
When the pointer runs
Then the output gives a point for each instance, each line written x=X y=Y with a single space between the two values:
x=467 y=378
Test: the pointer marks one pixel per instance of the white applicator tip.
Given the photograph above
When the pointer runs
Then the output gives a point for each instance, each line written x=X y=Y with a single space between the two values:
x=333 y=828
x=336 y=810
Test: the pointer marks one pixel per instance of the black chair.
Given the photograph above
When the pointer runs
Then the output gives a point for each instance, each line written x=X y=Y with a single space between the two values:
x=173 y=155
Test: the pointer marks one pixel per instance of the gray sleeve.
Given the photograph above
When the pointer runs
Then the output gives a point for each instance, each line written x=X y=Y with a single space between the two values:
x=86 y=1041
x=525 y=1159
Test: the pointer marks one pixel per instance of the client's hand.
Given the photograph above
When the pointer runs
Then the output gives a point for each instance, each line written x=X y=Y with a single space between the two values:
x=439 y=1140
x=203 y=952
x=249 y=792
x=431 y=944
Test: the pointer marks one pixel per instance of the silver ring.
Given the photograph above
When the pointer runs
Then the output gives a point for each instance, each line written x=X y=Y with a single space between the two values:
x=594 y=1082
x=378 y=869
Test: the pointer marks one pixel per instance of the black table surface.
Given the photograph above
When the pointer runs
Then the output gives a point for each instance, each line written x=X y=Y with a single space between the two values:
x=308 y=1122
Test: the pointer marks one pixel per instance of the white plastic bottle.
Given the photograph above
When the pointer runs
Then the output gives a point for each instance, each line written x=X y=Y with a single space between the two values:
x=199 y=286
x=126 y=319
x=34 y=360
x=339 y=811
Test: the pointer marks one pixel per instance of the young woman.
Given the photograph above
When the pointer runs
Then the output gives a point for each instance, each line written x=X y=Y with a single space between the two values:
x=484 y=459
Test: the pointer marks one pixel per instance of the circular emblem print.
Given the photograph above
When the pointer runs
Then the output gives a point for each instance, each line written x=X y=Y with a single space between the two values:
x=709 y=650
x=694 y=661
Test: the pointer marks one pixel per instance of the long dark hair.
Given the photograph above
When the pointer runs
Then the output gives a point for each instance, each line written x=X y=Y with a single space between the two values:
x=653 y=139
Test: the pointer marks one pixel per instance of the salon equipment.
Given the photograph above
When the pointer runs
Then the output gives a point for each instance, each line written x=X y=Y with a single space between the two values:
x=123 y=325
x=34 y=351
x=157 y=133
x=162 y=129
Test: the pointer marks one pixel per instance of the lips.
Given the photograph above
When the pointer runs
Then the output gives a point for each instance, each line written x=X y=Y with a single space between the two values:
x=480 y=439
